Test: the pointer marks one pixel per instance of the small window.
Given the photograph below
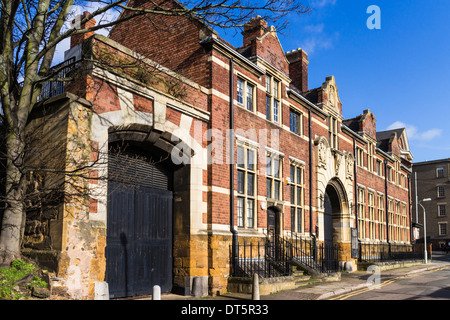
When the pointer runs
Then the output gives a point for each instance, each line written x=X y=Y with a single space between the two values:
x=273 y=103
x=441 y=210
x=268 y=84
x=359 y=157
x=273 y=180
x=240 y=91
x=379 y=168
x=439 y=172
x=333 y=132
x=245 y=94
x=295 y=122
x=440 y=191
x=442 y=229
x=250 y=94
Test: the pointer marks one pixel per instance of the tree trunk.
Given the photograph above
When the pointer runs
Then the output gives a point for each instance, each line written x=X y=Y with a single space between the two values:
x=11 y=227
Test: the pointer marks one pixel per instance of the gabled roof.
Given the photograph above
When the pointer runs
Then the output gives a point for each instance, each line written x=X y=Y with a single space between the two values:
x=385 y=139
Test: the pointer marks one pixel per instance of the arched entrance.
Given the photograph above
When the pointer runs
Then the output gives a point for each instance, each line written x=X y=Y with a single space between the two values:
x=139 y=221
x=142 y=216
x=335 y=222
x=332 y=212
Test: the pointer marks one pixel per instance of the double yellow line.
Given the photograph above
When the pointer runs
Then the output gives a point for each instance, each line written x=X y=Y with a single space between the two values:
x=383 y=284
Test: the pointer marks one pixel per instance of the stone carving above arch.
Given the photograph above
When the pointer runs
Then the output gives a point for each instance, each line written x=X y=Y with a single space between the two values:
x=349 y=165
x=338 y=156
x=322 y=149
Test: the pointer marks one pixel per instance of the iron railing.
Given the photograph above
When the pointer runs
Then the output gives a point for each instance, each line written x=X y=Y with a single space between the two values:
x=322 y=257
x=54 y=87
x=384 y=252
x=268 y=260
x=276 y=257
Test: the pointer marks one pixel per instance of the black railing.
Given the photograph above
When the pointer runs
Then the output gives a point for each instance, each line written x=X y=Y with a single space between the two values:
x=54 y=87
x=322 y=257
x=384 y=252
x=275 y=257
x=268 y=260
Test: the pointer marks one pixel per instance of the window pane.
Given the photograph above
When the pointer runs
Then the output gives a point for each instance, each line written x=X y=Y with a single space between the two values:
x=240 y=157
x=292 y=121
x=293 y=194
x=275 y=88
x=268 y=81
x=293 y=219
x=269 y=166
x=293 y=174
x=269 y=187
x=250 y=159
x=240 y=212
x=250 y=184
x=276 y=167
x=250 y=97
x=441 y=192
x=275 y=110
x=299 y=220
x=240 y=91
x=299 y=195
x=268 y=108
x=240 y=181
x=250 y=213
x=299 y=176
x=276 y=190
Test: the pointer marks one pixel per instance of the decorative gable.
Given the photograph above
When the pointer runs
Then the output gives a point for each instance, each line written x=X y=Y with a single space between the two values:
x=330 y=96
x=264 y=43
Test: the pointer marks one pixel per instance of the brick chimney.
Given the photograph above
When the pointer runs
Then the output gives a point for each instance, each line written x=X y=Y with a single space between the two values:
x=253 y=29
x=78 y=38
x=298 y=68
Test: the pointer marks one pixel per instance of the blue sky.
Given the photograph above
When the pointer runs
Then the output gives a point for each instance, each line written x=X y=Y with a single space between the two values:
x=400 y=72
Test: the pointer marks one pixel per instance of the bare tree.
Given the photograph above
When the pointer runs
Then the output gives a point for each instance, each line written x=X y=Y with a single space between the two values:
x=30 y=32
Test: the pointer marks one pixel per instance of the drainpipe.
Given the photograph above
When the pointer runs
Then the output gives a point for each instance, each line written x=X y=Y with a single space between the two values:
x=232 y=229
x=311 y=182
x=409 y=210
x=355 y=171
x=386 y=203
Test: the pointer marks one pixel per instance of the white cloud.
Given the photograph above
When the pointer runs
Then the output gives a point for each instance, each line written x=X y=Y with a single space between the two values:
x=322 y=3
x=414 y=133
x=315 y=28
x=318 y=42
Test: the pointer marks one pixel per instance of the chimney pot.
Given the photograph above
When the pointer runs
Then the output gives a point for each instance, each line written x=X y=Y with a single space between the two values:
x=253 y=29
x=298 y=68
x=79 y=38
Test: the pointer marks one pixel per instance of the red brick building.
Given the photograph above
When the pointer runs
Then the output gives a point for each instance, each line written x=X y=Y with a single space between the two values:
x=176 y=95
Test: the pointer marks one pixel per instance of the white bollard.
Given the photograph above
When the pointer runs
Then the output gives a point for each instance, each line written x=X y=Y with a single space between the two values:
x=196 y=287
x=101 y=291
x=156 y=293
x=255 y=289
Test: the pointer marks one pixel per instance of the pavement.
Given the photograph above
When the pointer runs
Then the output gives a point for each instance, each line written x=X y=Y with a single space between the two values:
x=324 y=290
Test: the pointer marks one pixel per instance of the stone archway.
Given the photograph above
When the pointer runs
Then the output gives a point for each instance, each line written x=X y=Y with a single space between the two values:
x=334 y=194
x=337 y=219
x=143 y=220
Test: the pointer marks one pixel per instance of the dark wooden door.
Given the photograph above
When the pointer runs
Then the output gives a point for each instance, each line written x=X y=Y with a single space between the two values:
x=139 y=232
x=272 y=222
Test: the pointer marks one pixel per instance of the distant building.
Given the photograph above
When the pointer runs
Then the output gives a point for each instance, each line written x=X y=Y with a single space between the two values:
x=433 y=181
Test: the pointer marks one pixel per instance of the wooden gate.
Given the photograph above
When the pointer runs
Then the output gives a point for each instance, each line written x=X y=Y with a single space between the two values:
x=139 y=227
